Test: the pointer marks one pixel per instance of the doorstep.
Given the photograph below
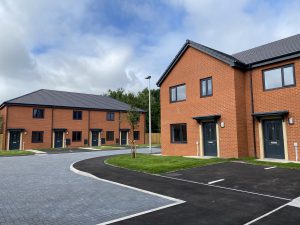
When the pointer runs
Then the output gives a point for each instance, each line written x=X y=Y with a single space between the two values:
x=200 y=157
x=277 y=160
x=36 y=151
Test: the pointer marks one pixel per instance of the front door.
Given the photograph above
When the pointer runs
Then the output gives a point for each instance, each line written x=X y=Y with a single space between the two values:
x=273 y=139
x=209 y=138
x=59 y=137
x=14 y=140
x=95 y=138
x=123 y=137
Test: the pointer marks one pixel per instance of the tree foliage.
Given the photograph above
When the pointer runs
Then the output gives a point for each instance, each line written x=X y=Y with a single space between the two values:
x=140 y=100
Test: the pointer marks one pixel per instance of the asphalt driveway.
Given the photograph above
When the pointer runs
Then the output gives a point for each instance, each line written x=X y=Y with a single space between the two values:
x=41 y=189
x=220 y=194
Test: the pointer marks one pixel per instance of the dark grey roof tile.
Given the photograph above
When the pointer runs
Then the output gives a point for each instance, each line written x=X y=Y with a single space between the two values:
x=45 y=97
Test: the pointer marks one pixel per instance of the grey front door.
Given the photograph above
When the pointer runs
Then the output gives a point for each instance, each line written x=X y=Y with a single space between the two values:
x=14 y=140
x=209 y=138
x=273 y=139
x=95 y=138
x=58 y=142
x=123 y=137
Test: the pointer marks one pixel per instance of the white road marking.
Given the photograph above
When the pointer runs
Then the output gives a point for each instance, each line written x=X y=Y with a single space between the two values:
x=295 y=202
x=269 y=168
x=267 y=214
x=226 y=188
x=216 y=181
x=176 y=201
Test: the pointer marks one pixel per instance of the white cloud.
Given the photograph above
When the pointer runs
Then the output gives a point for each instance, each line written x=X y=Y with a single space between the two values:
x=46 y=44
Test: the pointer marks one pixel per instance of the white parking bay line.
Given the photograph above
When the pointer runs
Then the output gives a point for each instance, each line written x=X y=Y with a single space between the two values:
x=295 y=202
x=269 y=168
x=216 y=181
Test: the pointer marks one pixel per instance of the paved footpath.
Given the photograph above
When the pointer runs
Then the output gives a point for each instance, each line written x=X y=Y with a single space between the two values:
x=41 y=189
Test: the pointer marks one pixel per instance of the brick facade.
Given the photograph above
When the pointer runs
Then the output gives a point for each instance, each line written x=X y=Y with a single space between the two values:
x=58 y=118
x=231 y=99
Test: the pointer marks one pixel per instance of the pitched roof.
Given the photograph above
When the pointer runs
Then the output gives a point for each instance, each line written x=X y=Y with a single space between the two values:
x=46 y=97
x=286 y=46
x=274 y=51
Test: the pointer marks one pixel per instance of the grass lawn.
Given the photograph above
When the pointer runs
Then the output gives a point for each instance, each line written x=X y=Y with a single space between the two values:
x=159 y=164
x=15 y=153
x=288 y=165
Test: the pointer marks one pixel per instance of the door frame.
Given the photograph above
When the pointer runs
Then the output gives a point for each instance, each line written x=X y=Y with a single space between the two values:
x=99 y=138
x=261 y=137
x=127 y=131
x=21 y=146
x=63 y=141
x=201 y=138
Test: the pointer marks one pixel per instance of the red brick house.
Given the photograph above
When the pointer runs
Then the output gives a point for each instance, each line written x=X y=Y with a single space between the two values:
x=57 y=119
x=245 y=104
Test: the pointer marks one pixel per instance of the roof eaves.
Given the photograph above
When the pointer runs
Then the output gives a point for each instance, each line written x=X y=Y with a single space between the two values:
x=274 y=59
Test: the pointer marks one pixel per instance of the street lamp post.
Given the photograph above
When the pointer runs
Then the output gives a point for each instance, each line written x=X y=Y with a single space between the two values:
x=150 y=132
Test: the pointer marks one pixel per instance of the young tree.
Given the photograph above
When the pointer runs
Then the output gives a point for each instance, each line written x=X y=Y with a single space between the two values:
x=1 y=123
x=133 y=117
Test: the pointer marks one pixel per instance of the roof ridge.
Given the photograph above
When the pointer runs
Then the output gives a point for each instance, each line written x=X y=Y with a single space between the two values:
x=73 y=92
x=259 y=46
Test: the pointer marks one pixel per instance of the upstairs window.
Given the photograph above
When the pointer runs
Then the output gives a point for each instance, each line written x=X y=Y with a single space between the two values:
x=76 y=136
x=38 y=113
x=77 y=115
x=178 y=133
x=37 y=137
x=110 y=116
x=206 y=87
x=178 y=93
x=110 y=135
x=279 y=77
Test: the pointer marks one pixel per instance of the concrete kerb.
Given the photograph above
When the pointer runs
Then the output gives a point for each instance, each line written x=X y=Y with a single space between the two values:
x=176 y=201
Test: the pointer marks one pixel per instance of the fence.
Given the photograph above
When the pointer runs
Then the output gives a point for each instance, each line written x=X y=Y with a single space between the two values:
x=1 y=141
x=154 y=136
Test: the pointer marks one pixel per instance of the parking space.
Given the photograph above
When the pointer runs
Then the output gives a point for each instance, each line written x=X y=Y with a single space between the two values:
x=267 y=180
x=239 y=194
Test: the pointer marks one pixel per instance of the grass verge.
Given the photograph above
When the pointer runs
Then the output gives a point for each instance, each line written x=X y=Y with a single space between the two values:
x=15 y=153
x=288 y=165
x=109 y=147
x=159 y=164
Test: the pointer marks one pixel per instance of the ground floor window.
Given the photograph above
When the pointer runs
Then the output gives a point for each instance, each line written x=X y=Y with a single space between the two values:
x=110 y=136
x=136 y=135
x=76 y=136
x=178 y=133
x=37 y=136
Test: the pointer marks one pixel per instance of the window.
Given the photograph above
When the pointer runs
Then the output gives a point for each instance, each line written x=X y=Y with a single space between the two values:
x=178 y=133
x=37 y=136
x=206 y=87
x=38 y=113
x=279 y=77
x=77 y=115
x=110 y=116
x=136 y=135
x=110 y=136
x=178 y=93
x=76 y=136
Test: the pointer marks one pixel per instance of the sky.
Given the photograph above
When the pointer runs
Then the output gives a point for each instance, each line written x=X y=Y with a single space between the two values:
x=91 y=46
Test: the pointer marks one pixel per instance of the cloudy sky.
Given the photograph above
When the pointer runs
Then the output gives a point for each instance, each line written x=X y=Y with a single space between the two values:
x=94 y=45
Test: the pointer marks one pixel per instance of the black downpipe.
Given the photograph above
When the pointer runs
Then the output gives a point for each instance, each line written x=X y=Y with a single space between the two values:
x=252 y=111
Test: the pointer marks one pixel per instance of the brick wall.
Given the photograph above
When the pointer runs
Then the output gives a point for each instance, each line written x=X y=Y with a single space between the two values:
x=279 y=99
x=192 y=67
x=231 y=98
x=21 y=117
